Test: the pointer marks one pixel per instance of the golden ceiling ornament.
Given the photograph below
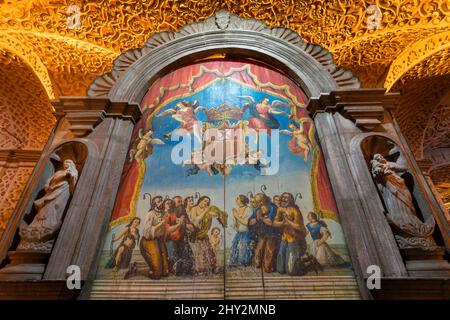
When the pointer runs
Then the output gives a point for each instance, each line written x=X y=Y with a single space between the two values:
x=72 y=64
x=25 y=52
x=25 y=111
x=68 y=65
x=119 y=25
x=427 y=57
x=124 y=24
x=364 y=54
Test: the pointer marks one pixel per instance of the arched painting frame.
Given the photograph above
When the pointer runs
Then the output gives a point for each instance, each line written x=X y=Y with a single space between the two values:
x=136 y=70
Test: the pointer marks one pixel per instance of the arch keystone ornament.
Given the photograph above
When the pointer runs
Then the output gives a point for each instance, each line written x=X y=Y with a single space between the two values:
x=327 y=122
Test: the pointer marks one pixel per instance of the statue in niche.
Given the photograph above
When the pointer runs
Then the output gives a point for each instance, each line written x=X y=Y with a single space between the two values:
x=409 y=231
x=41 y=232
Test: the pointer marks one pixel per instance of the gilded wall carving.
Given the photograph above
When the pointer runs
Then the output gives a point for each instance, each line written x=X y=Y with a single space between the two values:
x=108 y=28
x=425 y=58
x=419 y=99
x=437 y=133
x=25 y=112
x=12 y=183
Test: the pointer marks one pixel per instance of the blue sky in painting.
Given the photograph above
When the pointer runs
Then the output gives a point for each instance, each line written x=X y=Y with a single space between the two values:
x=220 y=92
x=167 y=179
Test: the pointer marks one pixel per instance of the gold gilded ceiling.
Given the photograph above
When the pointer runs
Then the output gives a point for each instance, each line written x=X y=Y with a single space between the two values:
x=74 y=56
x=25 y=115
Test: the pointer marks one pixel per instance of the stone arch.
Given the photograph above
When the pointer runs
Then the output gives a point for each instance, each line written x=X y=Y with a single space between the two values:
x=25 y=106
x=310 y=66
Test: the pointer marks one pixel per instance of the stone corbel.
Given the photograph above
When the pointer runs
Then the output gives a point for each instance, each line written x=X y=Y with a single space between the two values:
x=85 y=113
x=365 y=107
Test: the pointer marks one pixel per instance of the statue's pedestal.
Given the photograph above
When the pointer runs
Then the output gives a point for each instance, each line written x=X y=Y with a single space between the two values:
x=422 y=263
x=25 y=265
x=411 y=254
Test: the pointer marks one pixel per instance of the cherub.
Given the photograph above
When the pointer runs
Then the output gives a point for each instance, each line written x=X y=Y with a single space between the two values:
x=299 y=143
x=143 y=146
x=214 y=239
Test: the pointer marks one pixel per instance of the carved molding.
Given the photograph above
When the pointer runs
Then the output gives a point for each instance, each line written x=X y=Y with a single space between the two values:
x=221 y=22
x=365 y=107
x=84 y=113
x=18 y=155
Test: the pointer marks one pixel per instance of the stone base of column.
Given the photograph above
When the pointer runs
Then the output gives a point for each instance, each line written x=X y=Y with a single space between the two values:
x=420 y=263
x=25 y=265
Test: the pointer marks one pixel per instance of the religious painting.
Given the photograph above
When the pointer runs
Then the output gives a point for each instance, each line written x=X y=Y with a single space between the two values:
x=224 y=179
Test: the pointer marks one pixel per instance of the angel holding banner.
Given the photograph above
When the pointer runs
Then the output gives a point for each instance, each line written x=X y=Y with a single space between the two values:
x=299 y=143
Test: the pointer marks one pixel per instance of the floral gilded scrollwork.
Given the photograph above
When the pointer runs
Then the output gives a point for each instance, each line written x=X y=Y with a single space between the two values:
x=25 y=111
x=111 y=27
x=416 y=104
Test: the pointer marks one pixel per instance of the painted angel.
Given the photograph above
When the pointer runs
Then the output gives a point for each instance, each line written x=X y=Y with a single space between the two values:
x=261 y=113
x=144 y=146
x=185 y=113
x=299 y=143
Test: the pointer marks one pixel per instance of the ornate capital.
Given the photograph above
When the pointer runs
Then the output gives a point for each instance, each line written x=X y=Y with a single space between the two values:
x=85 y=113
x=365 y=107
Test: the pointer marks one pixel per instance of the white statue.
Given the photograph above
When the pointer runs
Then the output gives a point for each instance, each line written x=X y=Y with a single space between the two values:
x=41 y=232
x=409 y=230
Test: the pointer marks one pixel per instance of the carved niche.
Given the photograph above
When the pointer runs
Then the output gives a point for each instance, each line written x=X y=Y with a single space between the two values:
x=44 y=213
x=412 y=226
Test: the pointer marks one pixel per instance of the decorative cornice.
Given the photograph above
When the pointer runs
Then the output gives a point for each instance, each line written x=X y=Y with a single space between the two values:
x=222 y=22
x=20 y=155
x=85 y=113
x=365 y=107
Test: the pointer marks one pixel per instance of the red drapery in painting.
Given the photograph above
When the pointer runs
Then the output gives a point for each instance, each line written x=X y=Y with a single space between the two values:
x=187 y=80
